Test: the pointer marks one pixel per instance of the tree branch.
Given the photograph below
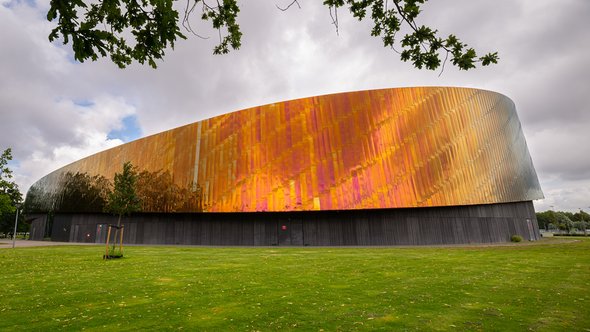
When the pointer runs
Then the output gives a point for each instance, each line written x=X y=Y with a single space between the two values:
x=289 y=6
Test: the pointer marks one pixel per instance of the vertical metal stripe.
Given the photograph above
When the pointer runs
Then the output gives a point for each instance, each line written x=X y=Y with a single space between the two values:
x=197 y=156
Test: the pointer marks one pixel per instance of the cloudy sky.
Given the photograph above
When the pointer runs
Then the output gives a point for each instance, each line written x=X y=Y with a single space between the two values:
x=54 y=111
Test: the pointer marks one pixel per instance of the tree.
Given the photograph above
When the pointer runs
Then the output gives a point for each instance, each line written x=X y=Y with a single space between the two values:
x=547 y=219
x=582 y=216
x=583 y=221
x=568 y=214
x=564 y=223
x=140 y=30
x=123 y=200
x=10 y=196
x=581 y=226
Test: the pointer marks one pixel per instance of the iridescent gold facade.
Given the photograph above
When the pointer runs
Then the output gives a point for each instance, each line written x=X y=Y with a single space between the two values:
x=390 y=148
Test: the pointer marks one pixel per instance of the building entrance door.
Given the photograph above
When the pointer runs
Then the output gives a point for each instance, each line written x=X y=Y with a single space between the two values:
x=74 y=233
x=290 y=232
x=101 y=233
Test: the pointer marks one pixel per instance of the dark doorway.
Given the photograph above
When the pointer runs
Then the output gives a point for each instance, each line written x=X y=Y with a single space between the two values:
x=74 y=233
x=101 y=233
x=290 y=232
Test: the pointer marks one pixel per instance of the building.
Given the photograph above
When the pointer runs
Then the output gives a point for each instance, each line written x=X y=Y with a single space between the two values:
x=424 y=165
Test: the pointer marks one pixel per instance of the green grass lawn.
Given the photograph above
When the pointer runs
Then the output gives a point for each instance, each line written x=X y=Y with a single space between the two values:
x=539 y=287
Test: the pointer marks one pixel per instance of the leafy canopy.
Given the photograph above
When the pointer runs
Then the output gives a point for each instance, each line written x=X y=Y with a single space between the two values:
x=123 y=199
x=10 y=196
x=141 y=30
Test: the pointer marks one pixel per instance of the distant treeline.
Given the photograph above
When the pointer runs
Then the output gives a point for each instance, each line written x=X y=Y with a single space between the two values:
x=564 y=221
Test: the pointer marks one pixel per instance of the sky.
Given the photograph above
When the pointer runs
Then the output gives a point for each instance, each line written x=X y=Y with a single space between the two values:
x=54 y=111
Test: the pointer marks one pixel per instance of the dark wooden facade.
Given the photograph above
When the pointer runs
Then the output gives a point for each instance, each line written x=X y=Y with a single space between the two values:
x=418 y=226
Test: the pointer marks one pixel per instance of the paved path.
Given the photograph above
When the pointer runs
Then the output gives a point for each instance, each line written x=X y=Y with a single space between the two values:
x=7 y=243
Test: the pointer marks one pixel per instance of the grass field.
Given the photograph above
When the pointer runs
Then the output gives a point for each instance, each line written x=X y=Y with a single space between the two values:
x=539 y=287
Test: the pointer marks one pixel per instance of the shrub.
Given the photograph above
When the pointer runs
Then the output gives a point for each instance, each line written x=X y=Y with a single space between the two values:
x=516 y=238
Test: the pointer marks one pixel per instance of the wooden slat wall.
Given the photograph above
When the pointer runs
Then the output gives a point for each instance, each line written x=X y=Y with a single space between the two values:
x=420 y=226
x=38 y=223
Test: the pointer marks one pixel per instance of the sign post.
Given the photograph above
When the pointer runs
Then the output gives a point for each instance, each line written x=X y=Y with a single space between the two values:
x=15 y=224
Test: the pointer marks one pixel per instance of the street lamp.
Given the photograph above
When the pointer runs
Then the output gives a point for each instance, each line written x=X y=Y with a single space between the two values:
x=15 y=224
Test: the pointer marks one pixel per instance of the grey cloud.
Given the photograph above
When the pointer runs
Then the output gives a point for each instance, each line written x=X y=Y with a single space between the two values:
x=544 y=68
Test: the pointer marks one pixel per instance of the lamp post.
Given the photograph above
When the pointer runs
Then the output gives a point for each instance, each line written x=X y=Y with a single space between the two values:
x=15 y=225
x=583 y=222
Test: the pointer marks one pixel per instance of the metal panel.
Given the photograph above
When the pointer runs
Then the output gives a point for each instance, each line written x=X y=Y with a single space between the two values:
x=390 y=148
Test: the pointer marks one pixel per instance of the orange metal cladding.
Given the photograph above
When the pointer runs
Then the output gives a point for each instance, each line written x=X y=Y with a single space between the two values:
x=171 y=150
x=390 y=148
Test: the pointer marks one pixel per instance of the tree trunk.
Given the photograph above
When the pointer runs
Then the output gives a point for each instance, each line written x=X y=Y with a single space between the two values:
x=116 y=232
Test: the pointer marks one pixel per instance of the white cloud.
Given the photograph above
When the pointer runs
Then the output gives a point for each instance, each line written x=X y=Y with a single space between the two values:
x=543 y=67
x=39 y=89
x=78 y=132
